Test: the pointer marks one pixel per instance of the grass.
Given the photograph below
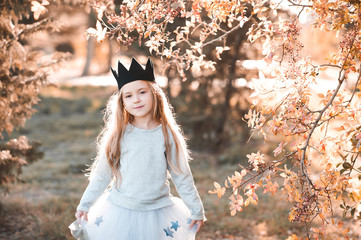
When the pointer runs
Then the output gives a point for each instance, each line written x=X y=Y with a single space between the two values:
x=67 y=123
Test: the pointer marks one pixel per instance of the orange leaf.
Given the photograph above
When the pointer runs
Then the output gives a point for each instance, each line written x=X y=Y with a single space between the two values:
x=37 y=9
x=321 y=95
x=293 y=237
x=339 y=225
x=219 y=190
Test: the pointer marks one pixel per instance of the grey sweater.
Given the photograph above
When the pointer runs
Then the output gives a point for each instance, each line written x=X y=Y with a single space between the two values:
x=144 y=180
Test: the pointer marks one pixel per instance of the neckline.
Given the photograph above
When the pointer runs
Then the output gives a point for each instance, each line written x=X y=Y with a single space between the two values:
x=144 y=130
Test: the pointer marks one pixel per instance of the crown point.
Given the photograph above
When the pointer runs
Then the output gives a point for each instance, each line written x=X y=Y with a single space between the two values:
x=135 y=72
x=121 y=68
x=149 y=64
x=136 y=67
x=114 y=73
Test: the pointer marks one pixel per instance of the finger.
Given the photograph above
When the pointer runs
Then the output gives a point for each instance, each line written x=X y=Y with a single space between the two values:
x=198 y=226
x=78 y=214
x=192 y=224
x=85 y=216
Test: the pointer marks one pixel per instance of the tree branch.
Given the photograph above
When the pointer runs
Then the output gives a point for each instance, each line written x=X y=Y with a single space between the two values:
x=220 y=38
x=341 y=79
x=304 y=148
x=27 y=30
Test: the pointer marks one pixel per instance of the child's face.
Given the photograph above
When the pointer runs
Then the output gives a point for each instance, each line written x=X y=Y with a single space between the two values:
x=138 y=98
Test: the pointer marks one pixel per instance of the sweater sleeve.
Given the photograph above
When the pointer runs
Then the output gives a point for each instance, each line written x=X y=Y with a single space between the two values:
x=184 y=183
x=100 y=178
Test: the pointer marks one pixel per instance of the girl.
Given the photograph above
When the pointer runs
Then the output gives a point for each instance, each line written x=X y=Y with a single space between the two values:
x=128 y=194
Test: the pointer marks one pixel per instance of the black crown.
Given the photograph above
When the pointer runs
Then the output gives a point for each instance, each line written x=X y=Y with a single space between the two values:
x=136 y=72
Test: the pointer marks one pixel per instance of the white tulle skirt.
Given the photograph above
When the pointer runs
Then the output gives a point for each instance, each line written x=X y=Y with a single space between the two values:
x=107 y=221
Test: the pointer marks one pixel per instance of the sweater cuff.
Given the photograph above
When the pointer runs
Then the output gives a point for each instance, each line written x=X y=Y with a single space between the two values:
x=82 y=208
x=198 y=217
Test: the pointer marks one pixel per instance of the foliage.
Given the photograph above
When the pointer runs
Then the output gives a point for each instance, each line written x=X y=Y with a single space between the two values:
x=217 y=104
x=324 y=136
x=22 y=74
x=180 y=31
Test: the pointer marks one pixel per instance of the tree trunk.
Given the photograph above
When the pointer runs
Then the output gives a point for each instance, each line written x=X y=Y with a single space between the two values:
x=222 y=139
x=90 y=45
x=89 y=56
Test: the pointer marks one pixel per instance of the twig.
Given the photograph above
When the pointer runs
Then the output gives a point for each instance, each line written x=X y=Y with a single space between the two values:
x=316 y=150
x=298 y=15
x=353 y=165
x=268 y=118
x=355 y=88
x=220 y=38
x=326 y=129
x=330 y=65
x=202 y=23
x=299 y=5
x=266 y=169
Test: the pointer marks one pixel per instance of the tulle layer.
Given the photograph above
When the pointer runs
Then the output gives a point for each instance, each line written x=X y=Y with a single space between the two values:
x=107 y=221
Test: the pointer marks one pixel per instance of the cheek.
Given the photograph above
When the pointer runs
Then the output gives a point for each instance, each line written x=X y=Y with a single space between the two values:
x=126 y=102
x=150 y=99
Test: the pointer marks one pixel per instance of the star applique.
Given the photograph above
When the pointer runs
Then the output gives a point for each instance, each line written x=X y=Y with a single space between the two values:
x=99 y=220
x=168 y=232
x=175 y=225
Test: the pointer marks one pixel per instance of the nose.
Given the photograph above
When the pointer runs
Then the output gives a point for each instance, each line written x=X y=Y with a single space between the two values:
x=136 y=98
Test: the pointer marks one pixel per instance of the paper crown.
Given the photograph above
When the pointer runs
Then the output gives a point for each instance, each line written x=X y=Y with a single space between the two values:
x=136 y=72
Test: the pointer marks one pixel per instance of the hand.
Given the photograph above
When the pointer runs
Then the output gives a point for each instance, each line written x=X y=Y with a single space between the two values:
x=199 y=224
x=79 y=214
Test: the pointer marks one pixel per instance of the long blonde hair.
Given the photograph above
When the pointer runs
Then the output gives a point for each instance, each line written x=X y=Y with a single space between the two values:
x=116 y=119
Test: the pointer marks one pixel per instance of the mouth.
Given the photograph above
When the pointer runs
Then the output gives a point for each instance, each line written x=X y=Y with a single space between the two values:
x=139 y=107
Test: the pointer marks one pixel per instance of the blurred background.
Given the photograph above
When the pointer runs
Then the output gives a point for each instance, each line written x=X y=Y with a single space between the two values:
x=41 y=203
